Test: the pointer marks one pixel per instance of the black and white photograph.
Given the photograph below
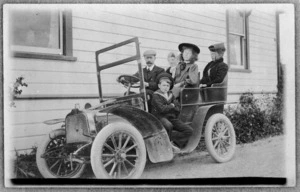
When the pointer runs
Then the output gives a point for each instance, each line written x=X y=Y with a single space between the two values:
x=189 y=95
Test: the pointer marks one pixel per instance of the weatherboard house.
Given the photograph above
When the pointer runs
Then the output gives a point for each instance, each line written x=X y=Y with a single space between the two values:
x=53 y=48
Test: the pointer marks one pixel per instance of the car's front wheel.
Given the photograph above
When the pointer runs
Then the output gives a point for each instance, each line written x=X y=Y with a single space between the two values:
x=53 y=160
x=119 y=152
x=220 y=138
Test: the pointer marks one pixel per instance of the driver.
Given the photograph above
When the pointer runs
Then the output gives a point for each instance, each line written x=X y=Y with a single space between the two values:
x=151 y=71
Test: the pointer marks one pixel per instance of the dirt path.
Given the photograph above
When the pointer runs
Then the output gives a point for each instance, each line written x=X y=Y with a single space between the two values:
x=265 y=158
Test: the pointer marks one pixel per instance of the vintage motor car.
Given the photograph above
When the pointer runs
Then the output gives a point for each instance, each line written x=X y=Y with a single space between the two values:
x=118 y=135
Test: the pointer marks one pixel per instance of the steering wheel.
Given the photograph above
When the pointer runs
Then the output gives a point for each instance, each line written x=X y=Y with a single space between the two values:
x=129 y=81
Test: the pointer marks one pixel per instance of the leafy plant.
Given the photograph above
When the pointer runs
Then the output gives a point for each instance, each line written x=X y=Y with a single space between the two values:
x=25 y=165
x=256 y=118
x=16 y=90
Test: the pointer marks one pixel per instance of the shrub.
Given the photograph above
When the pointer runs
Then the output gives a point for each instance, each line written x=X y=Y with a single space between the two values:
x=256 y=118
x=25 y=165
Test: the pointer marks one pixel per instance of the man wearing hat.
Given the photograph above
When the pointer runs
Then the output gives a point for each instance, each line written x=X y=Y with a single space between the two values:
x=216 y=70
x=151 y=71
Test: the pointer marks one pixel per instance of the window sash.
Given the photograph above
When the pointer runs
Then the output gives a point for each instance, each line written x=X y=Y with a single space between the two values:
x=33 y=49
x=242 y=63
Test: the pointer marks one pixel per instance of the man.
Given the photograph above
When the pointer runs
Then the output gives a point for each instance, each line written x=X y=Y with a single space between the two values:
x=216 y=70
x=151 y=71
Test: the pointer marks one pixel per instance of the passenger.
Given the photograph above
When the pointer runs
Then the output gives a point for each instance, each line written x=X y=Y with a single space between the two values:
x=173 y=62
x=186 y=71
x=167 y=109
x=216 y=70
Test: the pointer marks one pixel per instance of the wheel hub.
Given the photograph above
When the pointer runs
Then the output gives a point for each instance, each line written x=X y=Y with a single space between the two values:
x=120 y=156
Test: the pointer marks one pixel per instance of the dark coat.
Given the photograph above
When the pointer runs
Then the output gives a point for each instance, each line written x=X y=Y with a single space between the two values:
x=218 y=70
x=161 y=107
x=150 y=77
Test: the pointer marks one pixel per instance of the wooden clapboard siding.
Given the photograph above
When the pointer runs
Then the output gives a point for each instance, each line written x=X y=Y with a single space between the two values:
x=263 y=61
x=161 y=29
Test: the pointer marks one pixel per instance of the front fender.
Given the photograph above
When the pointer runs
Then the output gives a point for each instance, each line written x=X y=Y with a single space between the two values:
x=54 y=121
x=155 y=136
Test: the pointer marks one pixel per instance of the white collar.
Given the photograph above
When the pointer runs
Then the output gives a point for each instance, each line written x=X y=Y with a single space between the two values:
x=150 y=67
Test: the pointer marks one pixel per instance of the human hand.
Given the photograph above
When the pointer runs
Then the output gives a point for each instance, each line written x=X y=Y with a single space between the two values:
x=172 y=104
x=177 y=85
x=146 y=84
x=203 y=85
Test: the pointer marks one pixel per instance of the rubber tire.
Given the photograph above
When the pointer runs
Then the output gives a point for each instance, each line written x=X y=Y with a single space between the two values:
x=208 y=139
x=41 y=162
x=101 y=138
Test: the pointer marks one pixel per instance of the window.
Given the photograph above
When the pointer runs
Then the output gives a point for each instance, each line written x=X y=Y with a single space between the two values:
x=238 y=39
x=41 y=33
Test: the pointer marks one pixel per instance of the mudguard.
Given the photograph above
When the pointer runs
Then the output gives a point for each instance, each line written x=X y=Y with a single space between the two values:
x=197 y=125
x=155 y=136
x=54 y=121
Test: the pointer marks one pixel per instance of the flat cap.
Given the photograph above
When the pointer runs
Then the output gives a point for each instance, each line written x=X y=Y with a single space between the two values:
x=149 y=53
x=217 y=47
x=189 y=45
x=165 y=76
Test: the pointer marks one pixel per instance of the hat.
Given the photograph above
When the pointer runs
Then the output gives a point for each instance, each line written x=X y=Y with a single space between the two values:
x=194 y=47
x=149 y=53
x=165 y=76
x=217 y=47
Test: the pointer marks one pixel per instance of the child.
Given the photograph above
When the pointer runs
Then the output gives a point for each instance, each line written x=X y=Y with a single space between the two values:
x=166 y=109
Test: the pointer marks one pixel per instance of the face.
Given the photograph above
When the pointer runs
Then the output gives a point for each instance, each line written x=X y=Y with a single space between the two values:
x=187 y=54
x=215 y=55
x=164 y=86
x=150 y=60
x=172 y=61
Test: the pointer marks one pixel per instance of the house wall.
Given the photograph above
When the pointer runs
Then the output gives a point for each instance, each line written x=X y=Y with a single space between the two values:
x=159 y=29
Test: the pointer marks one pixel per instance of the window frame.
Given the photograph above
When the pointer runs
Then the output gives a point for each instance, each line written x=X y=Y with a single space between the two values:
x=66 y=51
x=244 y=53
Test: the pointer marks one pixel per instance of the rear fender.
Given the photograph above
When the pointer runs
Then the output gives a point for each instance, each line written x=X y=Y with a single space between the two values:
x=156 y=138
x=202 y=114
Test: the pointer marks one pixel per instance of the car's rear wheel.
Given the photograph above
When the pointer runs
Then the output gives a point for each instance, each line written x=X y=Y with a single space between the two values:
x=53 y=160
x=119 y=152
x=220 y=138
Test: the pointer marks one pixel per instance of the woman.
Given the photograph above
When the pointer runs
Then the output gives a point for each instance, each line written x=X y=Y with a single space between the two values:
x=173 y=61
x=216 y=70
x=186 y=73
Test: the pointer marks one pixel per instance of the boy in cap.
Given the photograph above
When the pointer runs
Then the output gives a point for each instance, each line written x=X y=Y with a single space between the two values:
x=166 y=109
x=216 y=70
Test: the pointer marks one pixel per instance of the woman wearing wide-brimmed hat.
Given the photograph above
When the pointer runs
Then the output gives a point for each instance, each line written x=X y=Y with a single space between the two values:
x=186 y=71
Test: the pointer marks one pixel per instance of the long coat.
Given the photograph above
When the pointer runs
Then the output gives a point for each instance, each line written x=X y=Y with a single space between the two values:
x=214 y=72
x=189 y=75
x=150 y=77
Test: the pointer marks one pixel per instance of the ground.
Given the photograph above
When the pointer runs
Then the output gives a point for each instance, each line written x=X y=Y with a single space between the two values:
x=264 y=158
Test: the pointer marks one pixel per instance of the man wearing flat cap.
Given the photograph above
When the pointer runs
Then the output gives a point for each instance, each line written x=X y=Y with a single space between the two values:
x=216 y=70
x=151 y=71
